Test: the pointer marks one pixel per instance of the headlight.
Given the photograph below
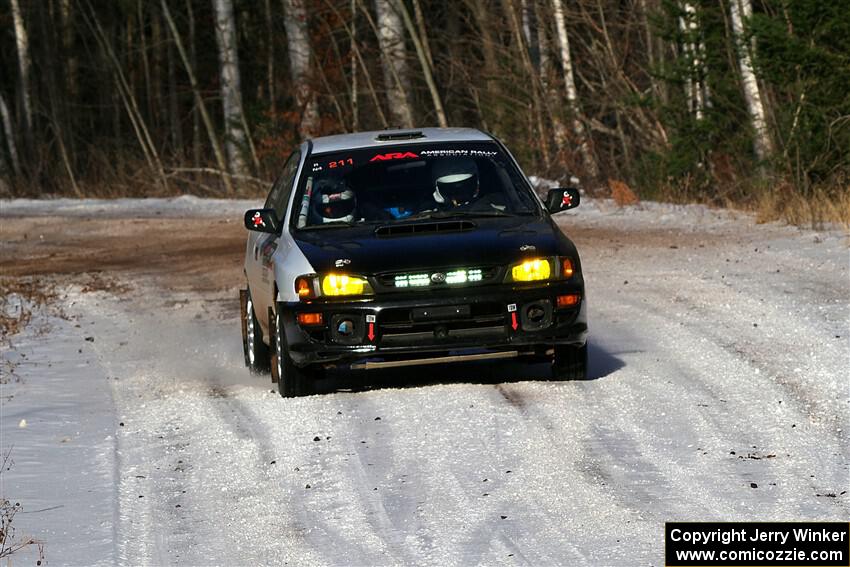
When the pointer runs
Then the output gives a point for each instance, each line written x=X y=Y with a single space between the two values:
x=532 y=270
x=344 y=284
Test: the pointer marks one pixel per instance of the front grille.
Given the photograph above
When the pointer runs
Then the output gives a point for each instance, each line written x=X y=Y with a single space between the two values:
x=439 y=278
x=417 y=326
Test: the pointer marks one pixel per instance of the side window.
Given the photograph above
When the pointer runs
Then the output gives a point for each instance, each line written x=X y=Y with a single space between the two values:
x=282 y=188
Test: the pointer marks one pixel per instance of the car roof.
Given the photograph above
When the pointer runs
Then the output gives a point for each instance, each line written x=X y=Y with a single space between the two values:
x=379 y=138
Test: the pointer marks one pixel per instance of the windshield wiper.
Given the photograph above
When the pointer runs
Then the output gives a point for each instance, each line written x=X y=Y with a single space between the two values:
x=330 y=225
x=339 y=224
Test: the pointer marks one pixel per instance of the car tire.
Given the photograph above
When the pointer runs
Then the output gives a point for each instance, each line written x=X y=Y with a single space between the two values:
x=292 y=381
x=255 y=350
x=570 y=362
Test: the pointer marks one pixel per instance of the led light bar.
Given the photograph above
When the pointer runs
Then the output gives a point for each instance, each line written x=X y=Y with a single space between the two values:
x=412 y=280
x=452 y=277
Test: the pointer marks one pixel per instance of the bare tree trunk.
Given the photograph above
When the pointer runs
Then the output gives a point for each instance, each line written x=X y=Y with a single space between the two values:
x=423 y=61
x=550 y=92
x=355 y=114
x=68 y=46
x=146 y=66
x=55 y=102
x=270 y=57
x=174 y=103
x=741 y=10
x=9 y=130
x=196 y=115
x=423 y=31
x=142 y=133
x=199 y=101
x=359 y=57
x=300 y=55
x=394 y=63
x=542 y=135
x=695 y=52
x=491 y=73
x=653 y=56
x=591 y=169
x=24 y=65
x=157 y=44
x=5 y=171
x=231 y=93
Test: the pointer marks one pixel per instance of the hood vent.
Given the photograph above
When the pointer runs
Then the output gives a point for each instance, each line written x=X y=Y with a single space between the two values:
x=423 y=228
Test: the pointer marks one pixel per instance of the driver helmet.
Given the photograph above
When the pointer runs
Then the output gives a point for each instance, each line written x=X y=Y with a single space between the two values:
x=334 y=201
x=455 y=181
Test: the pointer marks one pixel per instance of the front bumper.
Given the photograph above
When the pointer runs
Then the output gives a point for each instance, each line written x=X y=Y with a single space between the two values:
x=426 y=324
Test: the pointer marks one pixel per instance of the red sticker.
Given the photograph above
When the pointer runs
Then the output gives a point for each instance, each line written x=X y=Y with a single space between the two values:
x=258 y=220
x=567 y=200
x=394 y=155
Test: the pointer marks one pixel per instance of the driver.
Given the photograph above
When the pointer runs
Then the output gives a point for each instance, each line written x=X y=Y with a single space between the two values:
x=455 y=182
x=333 y=201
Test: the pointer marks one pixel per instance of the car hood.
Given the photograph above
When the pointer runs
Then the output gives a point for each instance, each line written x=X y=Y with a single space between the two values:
x=496 y=241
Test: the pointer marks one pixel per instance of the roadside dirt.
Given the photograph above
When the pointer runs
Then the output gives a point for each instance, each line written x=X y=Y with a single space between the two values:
x=180 y=255
x=201 y=254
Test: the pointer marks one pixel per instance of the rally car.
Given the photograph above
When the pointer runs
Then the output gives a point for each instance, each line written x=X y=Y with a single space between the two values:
x=396 y=248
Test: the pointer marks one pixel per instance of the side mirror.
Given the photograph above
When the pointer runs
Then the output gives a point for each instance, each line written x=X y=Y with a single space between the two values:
x=562 y=199
x=261 y=220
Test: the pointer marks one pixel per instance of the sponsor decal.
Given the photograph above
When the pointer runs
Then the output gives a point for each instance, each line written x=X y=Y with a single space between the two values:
x=340 y=163
x=394 y=155
x=457 y=152
x=339 y=263
x=527 y=247
x=567 y=199
x=257 y=219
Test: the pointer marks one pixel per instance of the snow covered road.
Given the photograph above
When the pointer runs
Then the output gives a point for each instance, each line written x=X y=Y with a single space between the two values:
x=719 y=366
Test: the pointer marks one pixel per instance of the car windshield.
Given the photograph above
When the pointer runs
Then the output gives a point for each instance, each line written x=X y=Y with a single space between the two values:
x=410 y=182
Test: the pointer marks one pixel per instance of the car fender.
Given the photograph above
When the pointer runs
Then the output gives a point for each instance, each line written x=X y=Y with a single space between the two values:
x=289 y=263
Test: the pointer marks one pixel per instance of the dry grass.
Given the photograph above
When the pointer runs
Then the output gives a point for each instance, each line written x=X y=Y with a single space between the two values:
x=822 y=207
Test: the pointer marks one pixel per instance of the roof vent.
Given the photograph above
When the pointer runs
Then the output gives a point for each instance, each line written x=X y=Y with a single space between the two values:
x=392 y=136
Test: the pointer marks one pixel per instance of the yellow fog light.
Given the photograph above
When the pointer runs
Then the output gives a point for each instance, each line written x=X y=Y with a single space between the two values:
x=531 y=270
x=341 y=284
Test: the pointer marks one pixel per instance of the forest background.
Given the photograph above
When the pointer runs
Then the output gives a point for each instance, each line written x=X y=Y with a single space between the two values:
x=742 y=103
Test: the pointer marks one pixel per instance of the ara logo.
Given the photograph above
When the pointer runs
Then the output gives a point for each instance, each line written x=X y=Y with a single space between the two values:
x=394 y=155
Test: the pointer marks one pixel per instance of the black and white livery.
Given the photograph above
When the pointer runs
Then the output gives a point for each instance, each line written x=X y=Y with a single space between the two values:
x=397 y=248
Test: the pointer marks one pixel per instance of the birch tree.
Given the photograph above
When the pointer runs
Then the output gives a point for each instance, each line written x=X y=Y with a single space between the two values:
x=24 y=64
x=300 y=56
x=571 y=92
x=741 y=10
x=694 y=49
x=9 y=131
x=394 y=63
x=231 y=91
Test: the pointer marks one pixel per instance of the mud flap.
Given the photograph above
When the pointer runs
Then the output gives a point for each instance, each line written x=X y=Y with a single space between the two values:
x=243 y=310
x=273 y=346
